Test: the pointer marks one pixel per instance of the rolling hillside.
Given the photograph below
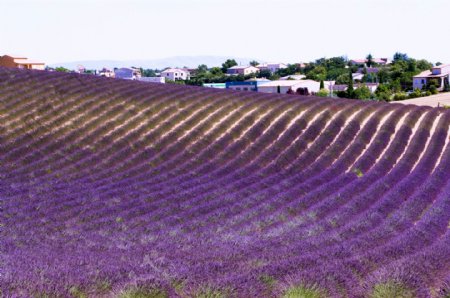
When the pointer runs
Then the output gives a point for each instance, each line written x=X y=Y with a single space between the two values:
x=109 y=186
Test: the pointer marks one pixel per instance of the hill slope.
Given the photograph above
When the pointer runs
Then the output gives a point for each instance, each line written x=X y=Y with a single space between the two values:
x=109 y=184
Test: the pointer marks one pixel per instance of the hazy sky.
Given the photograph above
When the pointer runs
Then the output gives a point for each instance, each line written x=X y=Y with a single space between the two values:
x=270 y=30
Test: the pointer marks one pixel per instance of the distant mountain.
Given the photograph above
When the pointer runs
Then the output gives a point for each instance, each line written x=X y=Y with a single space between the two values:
x=178 y=61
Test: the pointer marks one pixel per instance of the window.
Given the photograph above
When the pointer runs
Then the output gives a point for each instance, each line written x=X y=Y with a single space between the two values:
x=423 y=82
x=245 y=89
x=238 y=89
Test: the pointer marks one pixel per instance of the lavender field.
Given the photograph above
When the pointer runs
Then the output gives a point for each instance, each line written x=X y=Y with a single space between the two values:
x=113 y=188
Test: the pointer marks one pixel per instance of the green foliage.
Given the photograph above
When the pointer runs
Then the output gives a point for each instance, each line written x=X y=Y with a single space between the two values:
x=323 y=92
x=317 y=74
x=62 y=69
x=350 y=90
x=400 y=57
x=302 y=291
x=391 y=290
x=148 y=72
x=177 y=82
x=342 y=79
x=227 y=64
x=208 y=292
x=77 y=293
x=358 y=173
x=322 y=85
x=383 y=92
x=446 y=85
x=400 y=96
x=142 y=293
x=202 y=68
x=254 y=63
x=362 y=92
x=416 y=93
x=369 y=60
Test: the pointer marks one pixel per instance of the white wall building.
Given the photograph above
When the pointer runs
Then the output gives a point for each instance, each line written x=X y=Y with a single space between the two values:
x=304 y=87
x=440 y=74
x=243 y=70
x=176 y=74
x=160 y=80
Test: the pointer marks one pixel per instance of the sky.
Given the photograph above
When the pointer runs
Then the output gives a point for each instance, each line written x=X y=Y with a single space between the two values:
x=268 y=30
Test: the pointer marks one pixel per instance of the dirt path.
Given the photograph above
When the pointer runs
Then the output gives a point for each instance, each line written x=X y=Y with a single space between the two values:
x=432 y=101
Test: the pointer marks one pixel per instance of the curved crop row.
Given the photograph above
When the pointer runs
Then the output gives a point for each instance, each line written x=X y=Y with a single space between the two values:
x=109 y=187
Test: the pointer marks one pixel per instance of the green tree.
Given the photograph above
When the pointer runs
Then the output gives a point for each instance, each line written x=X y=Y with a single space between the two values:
x=61 y=69
x=323 y=92
x=400 y=57
x=254 y=63
x=369 y=60
x=350 y=90
x=227 y=64
x=265 y=73
x=383 y=92
x=202 y=68
x=322 y=85
x=362 y=92
x=423 y=65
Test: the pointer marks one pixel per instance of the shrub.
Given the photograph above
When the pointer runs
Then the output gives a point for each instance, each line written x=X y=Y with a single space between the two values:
x=391 y=289
x=302 y=291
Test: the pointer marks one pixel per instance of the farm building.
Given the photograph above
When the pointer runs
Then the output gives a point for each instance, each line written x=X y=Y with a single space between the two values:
x=20 y=62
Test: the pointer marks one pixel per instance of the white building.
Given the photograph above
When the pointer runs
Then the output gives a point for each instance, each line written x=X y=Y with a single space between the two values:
x=272 y=67
x=293 y=77
x=160 y=80
x=303 y=87
x=175 y=74
x=440 y=74
x=242 y=70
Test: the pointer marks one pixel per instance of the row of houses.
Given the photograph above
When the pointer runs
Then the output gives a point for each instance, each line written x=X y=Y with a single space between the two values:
x=295 y=84
x=247 y=70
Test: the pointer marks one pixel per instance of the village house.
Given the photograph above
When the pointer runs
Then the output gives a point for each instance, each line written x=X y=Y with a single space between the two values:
x=363 y=62
x=20 y=62
x=127 y=73
x=105 y=72
x=176 y=74
x=439 y=74
x=242 y=70
x=272 y=67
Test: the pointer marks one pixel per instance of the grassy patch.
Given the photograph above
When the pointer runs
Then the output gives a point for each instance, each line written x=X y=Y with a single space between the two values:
x=77 y=292
x=302 y=291
x=391 y=290
x=143 y=293
x=358 y=173
x=212 y=293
